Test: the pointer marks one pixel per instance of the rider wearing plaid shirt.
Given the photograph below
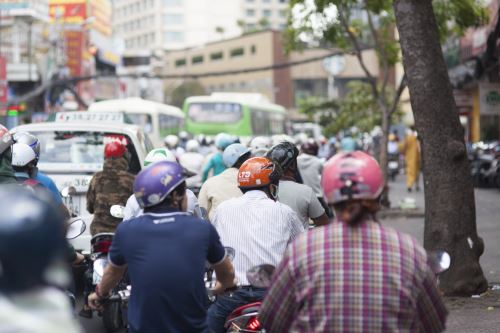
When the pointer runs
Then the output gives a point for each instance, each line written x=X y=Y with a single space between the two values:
x=353 y=275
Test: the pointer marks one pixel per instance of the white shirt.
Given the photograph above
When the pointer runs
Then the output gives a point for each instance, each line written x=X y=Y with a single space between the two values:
x=310 y=168
x=258 y=228
x=41 y=310
x=132 y=208
x=301 y=199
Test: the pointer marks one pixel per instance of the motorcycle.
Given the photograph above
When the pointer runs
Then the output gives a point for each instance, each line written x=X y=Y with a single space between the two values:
x=114 y=310
x=485 y=164
x=393 y=166
x=75 y=228
x=245 y=318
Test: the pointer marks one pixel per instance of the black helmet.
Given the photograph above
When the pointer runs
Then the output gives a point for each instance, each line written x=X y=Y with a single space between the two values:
x=310 y=147
x=285 y=154
x=31 y=239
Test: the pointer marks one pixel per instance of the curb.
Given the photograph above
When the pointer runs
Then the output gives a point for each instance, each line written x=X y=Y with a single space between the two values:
x=397 y=213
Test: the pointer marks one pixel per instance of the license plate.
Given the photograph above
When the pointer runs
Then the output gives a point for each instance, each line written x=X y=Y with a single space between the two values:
x=99 y=266
x=393 y=165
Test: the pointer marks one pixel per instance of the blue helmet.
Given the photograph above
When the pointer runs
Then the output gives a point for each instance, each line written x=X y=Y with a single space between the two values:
x=223 y=140
x=232 y=154
x=153 y=184
x=31 y=239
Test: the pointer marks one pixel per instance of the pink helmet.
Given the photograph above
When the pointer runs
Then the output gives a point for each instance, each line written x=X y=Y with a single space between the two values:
x=352 y=175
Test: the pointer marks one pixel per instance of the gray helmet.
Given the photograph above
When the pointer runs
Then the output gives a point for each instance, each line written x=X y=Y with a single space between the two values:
x=5 y=139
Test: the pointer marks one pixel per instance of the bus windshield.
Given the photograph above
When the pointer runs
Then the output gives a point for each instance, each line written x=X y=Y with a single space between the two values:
x=215 y=112
x=143 y=120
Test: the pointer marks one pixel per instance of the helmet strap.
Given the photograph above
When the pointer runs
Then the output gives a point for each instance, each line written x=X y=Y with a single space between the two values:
x=273 y=191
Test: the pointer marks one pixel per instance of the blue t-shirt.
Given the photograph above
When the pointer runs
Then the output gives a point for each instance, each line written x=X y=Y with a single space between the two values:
x=166 y=253
x=50 y=185
x=216 y=164
x=348 y=144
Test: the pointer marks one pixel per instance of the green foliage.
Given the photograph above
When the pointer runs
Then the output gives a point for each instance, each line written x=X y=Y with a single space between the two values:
x=185 y=90
x=358 y=108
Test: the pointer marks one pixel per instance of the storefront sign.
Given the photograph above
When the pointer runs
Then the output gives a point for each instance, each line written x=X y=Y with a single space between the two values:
x=489 y=95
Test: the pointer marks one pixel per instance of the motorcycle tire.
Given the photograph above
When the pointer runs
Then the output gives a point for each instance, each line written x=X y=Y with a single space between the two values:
x=112 y=316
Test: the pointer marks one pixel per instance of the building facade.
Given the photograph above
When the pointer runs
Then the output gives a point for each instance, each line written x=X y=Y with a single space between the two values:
x=252 y=63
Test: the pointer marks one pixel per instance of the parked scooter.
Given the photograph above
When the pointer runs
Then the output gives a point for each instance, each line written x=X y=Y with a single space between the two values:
x=393 y=166
x=485 y=164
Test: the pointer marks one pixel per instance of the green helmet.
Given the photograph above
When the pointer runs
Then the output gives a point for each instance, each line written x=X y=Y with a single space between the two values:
x=159 y=154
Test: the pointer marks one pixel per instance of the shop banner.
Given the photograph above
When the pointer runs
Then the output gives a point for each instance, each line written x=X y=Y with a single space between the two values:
x=489 y=95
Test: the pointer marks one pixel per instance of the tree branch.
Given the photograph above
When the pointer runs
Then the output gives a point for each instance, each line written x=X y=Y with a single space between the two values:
x=381 y=50
x=402 y=86
x=358 y=49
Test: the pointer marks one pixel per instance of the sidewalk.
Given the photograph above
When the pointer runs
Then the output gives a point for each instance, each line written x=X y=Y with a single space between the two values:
x=467 y=315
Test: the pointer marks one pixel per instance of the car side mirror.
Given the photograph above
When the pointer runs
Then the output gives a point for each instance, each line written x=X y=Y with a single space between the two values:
x=75 y=228
x=117 y=211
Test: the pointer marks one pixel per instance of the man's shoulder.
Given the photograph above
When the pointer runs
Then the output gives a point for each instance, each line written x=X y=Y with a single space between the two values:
x=407 y=243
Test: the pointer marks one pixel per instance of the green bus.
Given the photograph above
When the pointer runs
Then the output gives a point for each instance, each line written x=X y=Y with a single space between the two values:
x=241 y=114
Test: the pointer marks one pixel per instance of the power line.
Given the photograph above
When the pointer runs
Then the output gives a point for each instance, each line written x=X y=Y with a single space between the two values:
x=72 y=80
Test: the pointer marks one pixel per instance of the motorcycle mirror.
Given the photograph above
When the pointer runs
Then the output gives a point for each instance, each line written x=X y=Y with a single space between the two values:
x=68 y=191
x=260 y=276
x=439 y=261
x=75 y=228
x=117 y=211
x=230 y=252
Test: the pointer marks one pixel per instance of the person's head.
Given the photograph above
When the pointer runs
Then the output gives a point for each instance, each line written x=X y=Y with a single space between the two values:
x=6 y=142
x=353 y=183
x=23 y=158
x=260 y=173
x=192 y=146
x=260 y=145
x=32 y=240
x=161 y=184
x=310 y=147
x=235 y=155
x=183 y=135
x=223 y=140
x=158 y=155
x=285 y=154
x=171 y=141
x=30 y=140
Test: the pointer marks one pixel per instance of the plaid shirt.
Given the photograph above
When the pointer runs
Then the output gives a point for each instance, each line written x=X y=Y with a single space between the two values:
x=368 y=278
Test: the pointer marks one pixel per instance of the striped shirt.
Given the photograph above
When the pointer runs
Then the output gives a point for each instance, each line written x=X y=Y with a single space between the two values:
x=258 y=228
x=368 y=278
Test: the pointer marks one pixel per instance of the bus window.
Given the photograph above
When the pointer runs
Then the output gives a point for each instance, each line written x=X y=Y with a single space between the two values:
x=142 y=120
x=169 y=125
x=215 y=112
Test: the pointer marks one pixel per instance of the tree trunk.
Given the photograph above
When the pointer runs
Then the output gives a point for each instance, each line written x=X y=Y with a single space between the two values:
x=383 y=155
x=450 y=217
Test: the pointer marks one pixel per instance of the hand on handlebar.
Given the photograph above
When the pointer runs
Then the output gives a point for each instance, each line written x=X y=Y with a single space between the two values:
x=95 y=302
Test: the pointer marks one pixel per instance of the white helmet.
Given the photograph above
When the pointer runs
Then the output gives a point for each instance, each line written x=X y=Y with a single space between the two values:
x=22 y=155
x=260 y=145
x=279 y=138
x=183 y=135
x=171 y=141
x=159 y=154
x=192 y=146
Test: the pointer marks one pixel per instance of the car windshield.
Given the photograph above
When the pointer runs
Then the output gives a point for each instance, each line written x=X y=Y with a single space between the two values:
x=215 y=112
x=83 y=150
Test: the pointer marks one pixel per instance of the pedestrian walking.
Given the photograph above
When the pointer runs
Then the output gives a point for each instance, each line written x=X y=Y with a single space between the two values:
x=410 y=147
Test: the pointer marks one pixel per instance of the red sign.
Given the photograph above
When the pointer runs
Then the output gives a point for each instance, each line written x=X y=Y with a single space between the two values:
x=74 y=51
x=3 y=85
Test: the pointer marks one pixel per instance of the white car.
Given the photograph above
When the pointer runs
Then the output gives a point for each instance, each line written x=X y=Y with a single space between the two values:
x=72 y=151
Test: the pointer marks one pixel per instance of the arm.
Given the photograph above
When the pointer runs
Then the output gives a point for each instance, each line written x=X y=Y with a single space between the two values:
x=225 y=276
x=316 y=211
x=206 y=170
x=91 y=196
x=279 y=308
x=112 y=275
x=431 y=310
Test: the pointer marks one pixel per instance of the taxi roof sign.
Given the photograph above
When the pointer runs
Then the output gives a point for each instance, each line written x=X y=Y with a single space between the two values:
x=89 y=117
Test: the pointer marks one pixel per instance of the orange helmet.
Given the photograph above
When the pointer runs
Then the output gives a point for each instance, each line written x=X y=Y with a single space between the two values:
x=258 y=172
